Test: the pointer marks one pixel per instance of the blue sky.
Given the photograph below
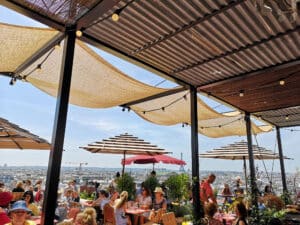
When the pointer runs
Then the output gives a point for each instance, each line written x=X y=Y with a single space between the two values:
x=34 y=110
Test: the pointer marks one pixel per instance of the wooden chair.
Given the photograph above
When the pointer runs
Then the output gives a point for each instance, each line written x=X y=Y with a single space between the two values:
x=109 y=215
x=169 y=219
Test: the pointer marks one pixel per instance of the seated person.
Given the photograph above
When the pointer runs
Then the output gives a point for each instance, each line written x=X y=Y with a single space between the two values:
x=210 y=210
x=226 y=193
x=144 y=201
x=159 y=205
x=29 y=199
x=238 y=192
x=268 y=190
x=120 y=206
x=18 y=214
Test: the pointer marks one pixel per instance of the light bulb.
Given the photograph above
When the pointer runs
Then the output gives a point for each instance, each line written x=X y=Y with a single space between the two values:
x=57 y=46
x=287 y=117
x=282 y=82
x=78 y=33
x=241 y=94
x=115 y=17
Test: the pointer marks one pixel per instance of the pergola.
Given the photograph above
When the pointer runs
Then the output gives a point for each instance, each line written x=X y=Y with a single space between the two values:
x=244 y=52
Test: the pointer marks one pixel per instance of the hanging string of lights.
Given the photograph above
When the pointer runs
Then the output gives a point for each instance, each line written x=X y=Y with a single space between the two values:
x=287 y=117
x=281 y=81
x=292 y=130
x=222 y=125
x=39 y=66
x=163 y=108
x=115 y=16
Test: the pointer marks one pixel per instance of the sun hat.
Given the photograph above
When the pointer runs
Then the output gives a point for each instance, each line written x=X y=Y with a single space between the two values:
x=19 y=205
x=159 y=190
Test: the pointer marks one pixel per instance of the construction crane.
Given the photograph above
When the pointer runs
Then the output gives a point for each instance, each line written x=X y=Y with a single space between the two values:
x=78 y=163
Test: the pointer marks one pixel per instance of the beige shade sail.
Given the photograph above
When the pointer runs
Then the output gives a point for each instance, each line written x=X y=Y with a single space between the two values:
x=175 y=108
x=14 y=137
x=98 y=84
x=95 y=82
x=18 y=43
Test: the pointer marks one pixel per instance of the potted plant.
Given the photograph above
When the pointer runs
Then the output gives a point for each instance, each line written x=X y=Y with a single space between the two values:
x=126 y=183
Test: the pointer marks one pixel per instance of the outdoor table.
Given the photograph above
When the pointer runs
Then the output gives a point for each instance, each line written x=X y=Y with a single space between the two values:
x=136 y=211
x=228 y=217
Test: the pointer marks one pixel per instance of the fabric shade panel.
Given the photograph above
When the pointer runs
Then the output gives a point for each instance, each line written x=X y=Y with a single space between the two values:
x=98 y=84
x=145 y=159
x=124 y=144
x=18 y=43
x=239 y=151
x=175 y=108
x=14 y=137
x=95 y=82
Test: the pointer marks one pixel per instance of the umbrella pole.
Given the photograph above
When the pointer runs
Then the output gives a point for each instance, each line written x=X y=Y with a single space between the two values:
x=245 y=172
x=152 y=166
x=123 y=168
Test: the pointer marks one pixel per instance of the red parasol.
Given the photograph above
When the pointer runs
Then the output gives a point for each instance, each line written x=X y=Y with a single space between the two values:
x=145 y=159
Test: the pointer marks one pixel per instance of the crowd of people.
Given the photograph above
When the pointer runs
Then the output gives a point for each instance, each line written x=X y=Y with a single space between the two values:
x=24 y=202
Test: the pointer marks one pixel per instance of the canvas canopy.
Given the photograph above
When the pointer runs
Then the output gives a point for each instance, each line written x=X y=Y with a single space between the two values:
x=14 y=137
x=98 y=84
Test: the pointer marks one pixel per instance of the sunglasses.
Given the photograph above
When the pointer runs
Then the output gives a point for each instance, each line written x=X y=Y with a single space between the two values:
x=19 y=212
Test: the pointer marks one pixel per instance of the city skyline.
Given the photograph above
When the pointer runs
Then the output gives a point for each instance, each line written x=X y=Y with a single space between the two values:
x=34 y=110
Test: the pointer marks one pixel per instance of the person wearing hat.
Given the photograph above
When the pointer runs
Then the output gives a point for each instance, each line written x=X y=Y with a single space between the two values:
x=159 y=205
x=18 y=214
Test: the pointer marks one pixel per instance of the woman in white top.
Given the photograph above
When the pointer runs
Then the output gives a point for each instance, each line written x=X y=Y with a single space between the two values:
x=144 y=201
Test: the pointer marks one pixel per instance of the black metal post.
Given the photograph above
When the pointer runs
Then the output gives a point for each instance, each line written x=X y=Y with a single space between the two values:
x=254 y=191
x=58 y=134
x=284 y=186
x=198 y=213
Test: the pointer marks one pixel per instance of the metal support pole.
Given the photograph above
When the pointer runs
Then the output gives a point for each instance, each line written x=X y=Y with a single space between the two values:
x=198 y=213
x=284 y=186
x=254 y=191
x=58 y=134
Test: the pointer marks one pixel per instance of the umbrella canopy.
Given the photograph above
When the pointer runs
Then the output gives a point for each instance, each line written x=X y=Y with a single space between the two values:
x=125 y=144
x=145 y=159
x=14 y=137
x=239 y=151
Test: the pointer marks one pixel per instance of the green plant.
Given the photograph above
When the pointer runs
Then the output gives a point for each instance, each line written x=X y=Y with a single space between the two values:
x=151 y=182
x=86 y=195
x=182 y=210
x=177 y=187
x=126 y=183
x=286 y=198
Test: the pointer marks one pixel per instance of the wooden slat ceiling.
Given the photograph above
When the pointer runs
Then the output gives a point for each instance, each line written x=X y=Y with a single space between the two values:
x=221 y=47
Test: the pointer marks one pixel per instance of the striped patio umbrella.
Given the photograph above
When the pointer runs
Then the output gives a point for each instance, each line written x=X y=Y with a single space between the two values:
x=14 y=137
x=239 y=151
x=124 y=144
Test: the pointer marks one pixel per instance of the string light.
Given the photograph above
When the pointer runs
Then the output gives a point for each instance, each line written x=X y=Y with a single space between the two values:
x=241 y=94
x=184 y=97
x=282 y=82
x=123 y=109
x=78 y=33
x=287 y=117
x=57 y=46
x=116 y=15
x=39 y=68
x=163 y=108
x=13 y=81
